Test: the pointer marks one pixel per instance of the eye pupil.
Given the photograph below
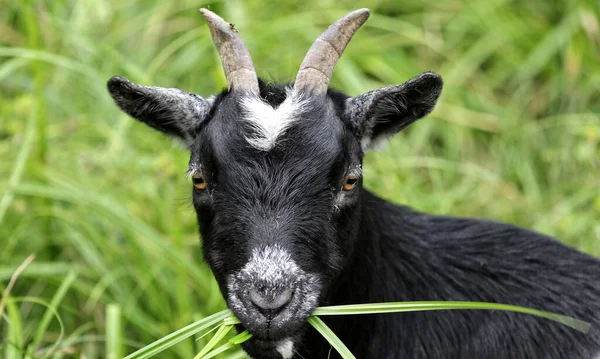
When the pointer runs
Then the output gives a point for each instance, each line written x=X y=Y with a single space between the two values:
x=199 y=182
x=349 y=183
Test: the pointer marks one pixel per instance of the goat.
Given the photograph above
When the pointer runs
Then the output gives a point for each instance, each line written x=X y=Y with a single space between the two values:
x=286 y=225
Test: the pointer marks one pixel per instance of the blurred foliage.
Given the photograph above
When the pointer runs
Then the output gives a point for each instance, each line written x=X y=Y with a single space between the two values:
x=102 y=200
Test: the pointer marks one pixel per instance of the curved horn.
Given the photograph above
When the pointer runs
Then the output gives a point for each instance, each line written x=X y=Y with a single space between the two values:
x=317 y=67
x=237 y=63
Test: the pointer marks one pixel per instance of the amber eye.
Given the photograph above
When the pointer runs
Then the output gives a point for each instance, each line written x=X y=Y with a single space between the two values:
x=199 y=182
x=350 y=182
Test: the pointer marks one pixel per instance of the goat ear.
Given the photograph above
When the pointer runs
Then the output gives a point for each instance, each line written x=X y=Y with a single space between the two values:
x=171 y=111
x=379 y=114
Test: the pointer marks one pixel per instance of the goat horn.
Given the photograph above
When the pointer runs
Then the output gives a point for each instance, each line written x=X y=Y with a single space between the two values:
x=317 y=67
x=237 y=63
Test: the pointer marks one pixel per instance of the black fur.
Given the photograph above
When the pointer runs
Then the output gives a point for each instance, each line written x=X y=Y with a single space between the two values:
x=358 y=248
x=403 y=255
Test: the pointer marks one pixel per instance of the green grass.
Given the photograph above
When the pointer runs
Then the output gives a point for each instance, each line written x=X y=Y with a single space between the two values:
x=223 y=326
x=103 y=203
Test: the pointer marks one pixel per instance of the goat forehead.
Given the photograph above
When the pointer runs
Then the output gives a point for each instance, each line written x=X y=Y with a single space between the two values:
x=243 y=136
x=270 y=122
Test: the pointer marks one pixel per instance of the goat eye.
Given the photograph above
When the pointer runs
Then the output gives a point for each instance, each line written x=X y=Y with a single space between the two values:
x=350 y=182
x=199 y=182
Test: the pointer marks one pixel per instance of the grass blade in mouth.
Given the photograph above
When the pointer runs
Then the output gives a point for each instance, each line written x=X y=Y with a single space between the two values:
x=240 y=338
x=231 y=343
x=182 y=334
x=219 y=335
x=328 y=334
x=228 y=320
x=399 y=307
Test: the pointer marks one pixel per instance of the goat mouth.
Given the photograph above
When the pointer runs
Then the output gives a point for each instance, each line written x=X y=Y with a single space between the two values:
x=265 y=334
x=280 y=346
x=275 y=327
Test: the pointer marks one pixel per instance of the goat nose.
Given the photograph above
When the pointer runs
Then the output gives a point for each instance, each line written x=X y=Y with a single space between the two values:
x=270 y=302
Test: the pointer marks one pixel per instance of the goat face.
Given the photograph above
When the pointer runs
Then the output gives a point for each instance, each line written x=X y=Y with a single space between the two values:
x=277 y=174
x=274 y=221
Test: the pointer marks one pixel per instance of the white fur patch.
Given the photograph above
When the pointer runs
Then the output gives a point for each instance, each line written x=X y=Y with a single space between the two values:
x=270 y=122
x=272 y=269
x=286 y=349
x=271 y=264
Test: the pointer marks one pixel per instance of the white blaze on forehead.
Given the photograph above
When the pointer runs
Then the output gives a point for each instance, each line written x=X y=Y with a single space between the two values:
x=286 y=348
x=271 y=264
x=268 y=122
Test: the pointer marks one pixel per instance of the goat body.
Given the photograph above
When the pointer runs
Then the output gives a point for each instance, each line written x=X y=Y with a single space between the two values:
x=286 y=225
x=403 y=255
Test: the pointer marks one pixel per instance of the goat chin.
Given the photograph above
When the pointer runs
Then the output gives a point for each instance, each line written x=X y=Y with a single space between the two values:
x=267 y=349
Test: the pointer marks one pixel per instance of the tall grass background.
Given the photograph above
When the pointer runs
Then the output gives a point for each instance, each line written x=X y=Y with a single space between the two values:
x=102 y=200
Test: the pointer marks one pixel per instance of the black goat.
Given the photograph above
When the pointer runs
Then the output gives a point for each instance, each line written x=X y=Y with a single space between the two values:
x=287 y=226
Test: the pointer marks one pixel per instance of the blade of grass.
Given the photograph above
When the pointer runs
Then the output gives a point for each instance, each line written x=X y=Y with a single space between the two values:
x=44 y=270
x=182 y=334
x=53 y=59
x=208 y=332
x=328 y=334
x=219 y=335
x=14 y=335
x=231 y=343
x=11 y=66
x=19 y=166
x=13 y=279
x=114 y=332
x=398 y=307
x=232 y=320
x=51 y=311
x=219 y=350
x=240 y=338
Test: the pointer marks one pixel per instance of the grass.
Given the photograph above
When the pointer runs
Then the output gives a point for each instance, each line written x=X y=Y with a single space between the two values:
x=225 y=325
x=102 y=201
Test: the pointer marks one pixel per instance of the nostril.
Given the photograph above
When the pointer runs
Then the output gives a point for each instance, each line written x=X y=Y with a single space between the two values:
x=270 y=301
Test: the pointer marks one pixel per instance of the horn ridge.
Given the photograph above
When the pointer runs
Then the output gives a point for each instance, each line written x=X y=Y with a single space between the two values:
x=235 y=57
x=318 y=64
